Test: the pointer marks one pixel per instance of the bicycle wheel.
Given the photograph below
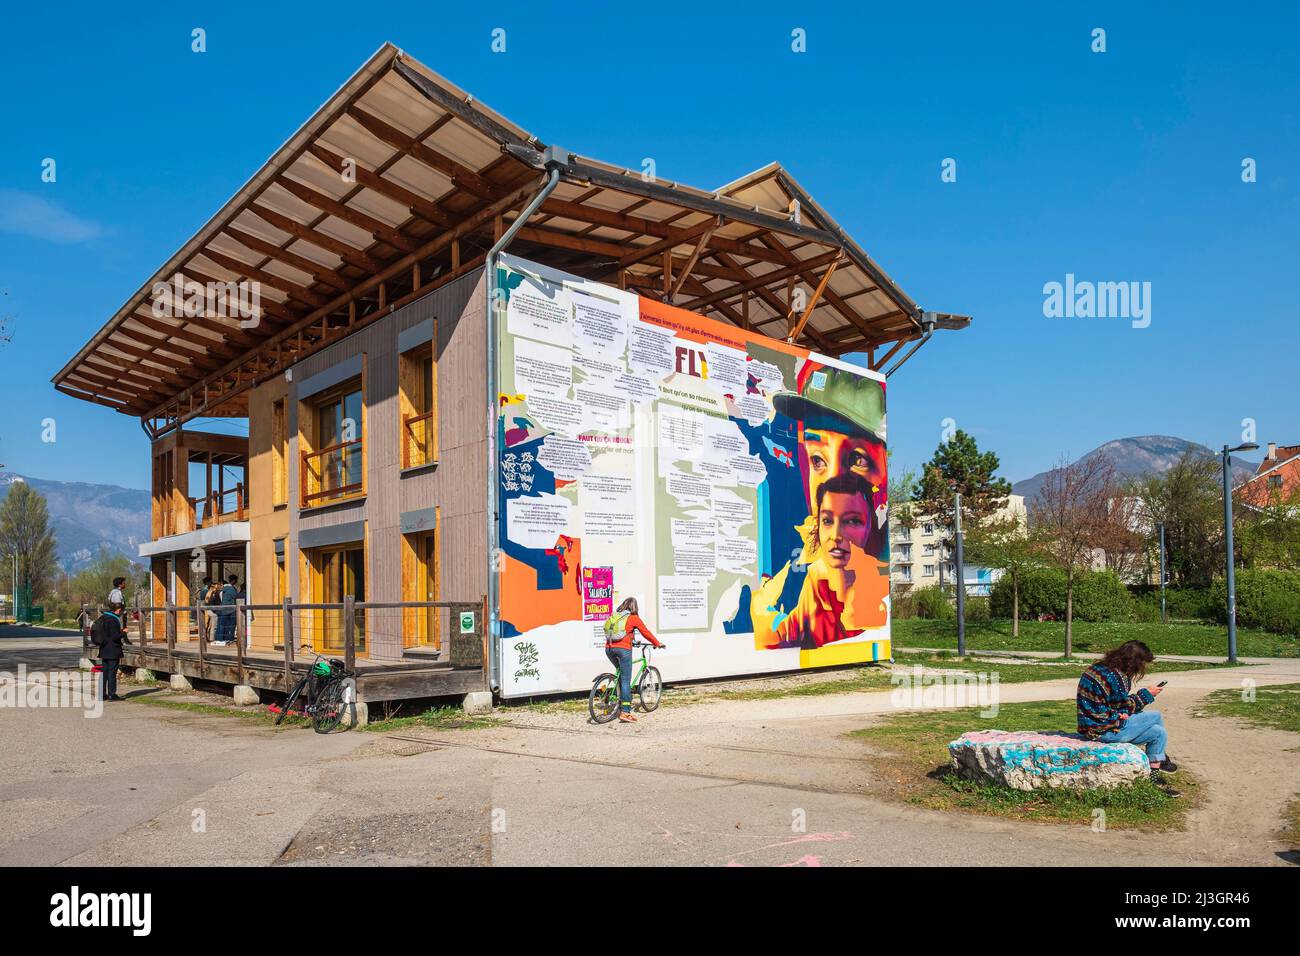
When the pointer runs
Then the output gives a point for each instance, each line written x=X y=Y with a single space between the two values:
x=650 y=689
x=291 y=699
x=602 y=703
x=327 y=713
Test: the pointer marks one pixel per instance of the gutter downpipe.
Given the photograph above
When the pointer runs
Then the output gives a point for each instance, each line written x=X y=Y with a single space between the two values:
x=927 y=323
x=553 y=159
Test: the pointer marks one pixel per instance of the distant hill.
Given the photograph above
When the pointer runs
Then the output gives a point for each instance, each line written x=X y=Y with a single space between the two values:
x=86 y=517
x=1136 y=457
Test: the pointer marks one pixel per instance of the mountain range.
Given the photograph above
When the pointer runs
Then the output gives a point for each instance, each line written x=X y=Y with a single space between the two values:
x=1135 y=457
x=87 y=517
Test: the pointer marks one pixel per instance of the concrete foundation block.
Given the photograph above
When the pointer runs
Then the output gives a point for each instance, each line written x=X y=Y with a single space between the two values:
x=85 y=663
x=246 y=696
x=363 y=714
x=144 y=676
x=478 y=702
x=181 y=682
x=1030 y=760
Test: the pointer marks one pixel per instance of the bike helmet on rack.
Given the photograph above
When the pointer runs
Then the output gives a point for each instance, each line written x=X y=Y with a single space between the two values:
x=321 y=668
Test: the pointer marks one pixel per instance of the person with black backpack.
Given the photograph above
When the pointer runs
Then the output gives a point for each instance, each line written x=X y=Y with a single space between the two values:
x=108 y=634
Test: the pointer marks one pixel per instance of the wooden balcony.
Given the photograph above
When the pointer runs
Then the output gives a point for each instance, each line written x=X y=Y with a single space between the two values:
x=218 y=508
x=216 y=460
x=331 y=474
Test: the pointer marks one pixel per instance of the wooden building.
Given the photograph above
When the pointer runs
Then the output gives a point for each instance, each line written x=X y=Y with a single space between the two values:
x=339 y=303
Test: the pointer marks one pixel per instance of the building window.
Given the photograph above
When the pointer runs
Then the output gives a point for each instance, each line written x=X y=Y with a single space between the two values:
x=333 y=463
x=279 y=455
x=905 y=553
x=929 y=528
x=336 y=571
x=927 y=550
x=927 y=571
x=1275 y=481
x=906 y=573
x=418 y=378
x=903 y=534
x=421 y=571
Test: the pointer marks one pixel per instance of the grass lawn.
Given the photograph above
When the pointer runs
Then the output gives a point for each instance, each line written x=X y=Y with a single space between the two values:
x=911 y=753
x=1277 y=706
x=437 y=718
x=1052 y=668
x=1174 y=638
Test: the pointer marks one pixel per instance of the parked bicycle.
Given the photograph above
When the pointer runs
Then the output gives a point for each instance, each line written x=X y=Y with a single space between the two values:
x=603 y=703
x=328 y=688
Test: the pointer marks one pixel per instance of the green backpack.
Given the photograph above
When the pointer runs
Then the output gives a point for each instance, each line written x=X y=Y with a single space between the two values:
x=616 y=626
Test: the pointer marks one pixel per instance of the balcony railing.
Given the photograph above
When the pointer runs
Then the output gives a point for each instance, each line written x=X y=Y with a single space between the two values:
x=331 y=473
x=220 y=507
x=418 y=440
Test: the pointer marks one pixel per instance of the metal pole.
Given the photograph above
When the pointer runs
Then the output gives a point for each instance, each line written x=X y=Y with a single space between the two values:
x=961 y=580
x=554 y=160
x=1227 y=536
x=1164 y=618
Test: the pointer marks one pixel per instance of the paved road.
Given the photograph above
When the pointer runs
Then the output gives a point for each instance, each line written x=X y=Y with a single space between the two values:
x=733 y=783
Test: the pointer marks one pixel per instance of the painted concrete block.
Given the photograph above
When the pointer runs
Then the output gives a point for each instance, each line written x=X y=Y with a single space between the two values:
x=1030 y=760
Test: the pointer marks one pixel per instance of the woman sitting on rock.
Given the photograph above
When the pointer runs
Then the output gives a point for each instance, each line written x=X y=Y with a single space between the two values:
x=1110 y=712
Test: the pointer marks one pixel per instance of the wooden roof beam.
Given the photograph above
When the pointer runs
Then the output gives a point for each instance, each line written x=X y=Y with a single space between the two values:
x=461 y=176
x=348 y=253
x=380 y=231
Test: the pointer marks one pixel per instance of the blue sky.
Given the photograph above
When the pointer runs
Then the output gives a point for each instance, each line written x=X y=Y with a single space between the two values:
x=1115 y=166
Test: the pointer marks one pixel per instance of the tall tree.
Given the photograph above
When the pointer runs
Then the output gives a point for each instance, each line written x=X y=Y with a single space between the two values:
x=1267 y=530
x=25 y=536
x=959 y=465
x=1070 y=517
x=1008 y=545
x=1188 y=500
x=902 y=486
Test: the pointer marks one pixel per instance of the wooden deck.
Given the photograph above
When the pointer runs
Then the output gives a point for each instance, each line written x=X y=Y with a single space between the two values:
x=266 y=670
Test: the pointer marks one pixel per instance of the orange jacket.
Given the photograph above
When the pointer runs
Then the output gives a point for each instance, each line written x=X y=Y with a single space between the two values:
x=634 y=624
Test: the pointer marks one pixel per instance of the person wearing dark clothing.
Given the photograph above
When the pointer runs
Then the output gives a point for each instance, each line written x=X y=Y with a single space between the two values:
x=108 y=635
x=226 y=625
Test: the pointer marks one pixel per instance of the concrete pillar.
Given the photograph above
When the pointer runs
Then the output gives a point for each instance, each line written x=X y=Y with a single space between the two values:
x=246 y=696
x=363 y=714
x=181 y=682
x=478 y=702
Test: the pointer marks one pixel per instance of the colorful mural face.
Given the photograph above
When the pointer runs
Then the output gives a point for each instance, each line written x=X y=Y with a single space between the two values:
x=733 y=485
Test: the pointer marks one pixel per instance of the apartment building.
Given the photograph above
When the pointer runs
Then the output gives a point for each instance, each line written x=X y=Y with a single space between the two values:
x=920 y=558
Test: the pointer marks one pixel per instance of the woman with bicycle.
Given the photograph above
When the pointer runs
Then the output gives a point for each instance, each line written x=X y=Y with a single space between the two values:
x=619 y=629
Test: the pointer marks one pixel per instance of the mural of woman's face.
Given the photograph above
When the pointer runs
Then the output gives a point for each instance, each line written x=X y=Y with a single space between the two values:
x=829 y=453
x=844 y=521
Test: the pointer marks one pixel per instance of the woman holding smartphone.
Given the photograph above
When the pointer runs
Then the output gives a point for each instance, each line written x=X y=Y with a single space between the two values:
x=1111 y=712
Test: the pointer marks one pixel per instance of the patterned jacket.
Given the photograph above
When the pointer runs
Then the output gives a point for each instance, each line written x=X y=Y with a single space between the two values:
x=1104 y=701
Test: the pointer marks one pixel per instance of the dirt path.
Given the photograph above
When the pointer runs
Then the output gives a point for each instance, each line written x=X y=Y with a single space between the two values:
x=1248 y=773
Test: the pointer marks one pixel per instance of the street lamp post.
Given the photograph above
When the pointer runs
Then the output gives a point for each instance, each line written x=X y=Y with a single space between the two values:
x=1164 y=619
x=1227 y=541
x=961 y=580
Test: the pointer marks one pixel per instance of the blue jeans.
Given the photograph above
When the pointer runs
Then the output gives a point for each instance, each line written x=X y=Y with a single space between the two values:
x=621 y=658
x=1145 y=727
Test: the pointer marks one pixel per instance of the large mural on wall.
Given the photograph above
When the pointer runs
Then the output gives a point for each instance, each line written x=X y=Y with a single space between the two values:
x=732 y=484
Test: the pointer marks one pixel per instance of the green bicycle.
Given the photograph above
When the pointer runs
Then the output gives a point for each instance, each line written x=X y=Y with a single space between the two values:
x=603 y=702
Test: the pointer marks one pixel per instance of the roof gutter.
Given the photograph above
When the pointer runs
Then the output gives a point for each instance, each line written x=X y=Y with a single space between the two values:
x=553 y=159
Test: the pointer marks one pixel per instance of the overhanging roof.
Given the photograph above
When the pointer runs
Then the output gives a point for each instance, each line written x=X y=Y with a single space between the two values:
x=402 y=181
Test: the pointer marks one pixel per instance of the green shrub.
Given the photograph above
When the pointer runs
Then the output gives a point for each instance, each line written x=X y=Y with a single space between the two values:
x=977 y=608
x=1269 y=600
x=933 y=603
x=1181 y=604
x=1098 y=596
